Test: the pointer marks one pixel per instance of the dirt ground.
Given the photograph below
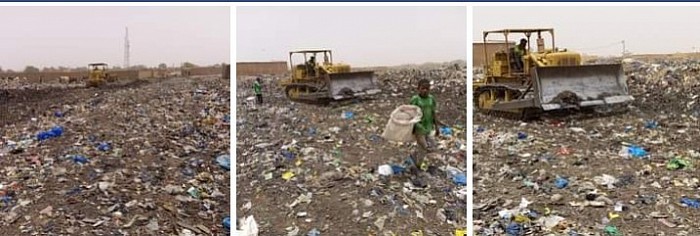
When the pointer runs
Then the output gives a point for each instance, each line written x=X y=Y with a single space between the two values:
x=134 y=158
x=519 y=163
x=335 y=161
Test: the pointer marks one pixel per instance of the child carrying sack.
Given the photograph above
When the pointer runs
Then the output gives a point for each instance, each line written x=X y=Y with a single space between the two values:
x=401 y=122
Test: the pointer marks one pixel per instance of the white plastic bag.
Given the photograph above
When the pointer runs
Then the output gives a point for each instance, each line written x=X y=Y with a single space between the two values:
x=249 y=226
x=401 y=122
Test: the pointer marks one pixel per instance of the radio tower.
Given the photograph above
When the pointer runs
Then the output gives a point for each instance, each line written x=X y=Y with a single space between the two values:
x=126 y=49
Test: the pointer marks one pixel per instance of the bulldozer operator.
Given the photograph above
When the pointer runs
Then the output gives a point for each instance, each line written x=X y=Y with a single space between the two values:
x=311 y=65
x=518 y=53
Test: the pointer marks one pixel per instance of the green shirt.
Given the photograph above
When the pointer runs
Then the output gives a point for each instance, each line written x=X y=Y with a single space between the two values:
x=428 y=106
x=257 y=88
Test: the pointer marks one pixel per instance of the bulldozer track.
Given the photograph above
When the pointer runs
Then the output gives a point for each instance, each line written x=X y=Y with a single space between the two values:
x=521 y=114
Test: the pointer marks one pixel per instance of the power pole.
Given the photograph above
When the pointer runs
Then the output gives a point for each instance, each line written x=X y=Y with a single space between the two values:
x=126 y=49
x=624 y=50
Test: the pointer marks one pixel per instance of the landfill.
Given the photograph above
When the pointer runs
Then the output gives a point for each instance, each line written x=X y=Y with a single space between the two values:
x=137 y=157
x=608 y=173
x=314 y=169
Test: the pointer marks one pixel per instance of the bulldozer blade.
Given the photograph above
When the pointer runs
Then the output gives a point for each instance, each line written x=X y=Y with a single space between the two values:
x=352 y=84
x=564 y=87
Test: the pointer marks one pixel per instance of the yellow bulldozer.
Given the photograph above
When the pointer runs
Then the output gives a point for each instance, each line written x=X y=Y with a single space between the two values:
x=324 y=81
x=98 y=75
x=520 y=83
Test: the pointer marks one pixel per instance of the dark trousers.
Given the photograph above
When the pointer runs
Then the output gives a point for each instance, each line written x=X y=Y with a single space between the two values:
x=259 y=96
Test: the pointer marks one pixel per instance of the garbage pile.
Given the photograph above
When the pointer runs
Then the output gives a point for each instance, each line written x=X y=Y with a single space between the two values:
x=584 y=174
x=306 y=169
x=142 y=159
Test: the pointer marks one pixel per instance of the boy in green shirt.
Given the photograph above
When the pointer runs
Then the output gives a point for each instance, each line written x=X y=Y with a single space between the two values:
x=428 y=123
x=258 y=90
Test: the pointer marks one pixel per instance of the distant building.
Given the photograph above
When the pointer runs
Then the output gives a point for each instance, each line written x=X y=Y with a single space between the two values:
x=491 y=48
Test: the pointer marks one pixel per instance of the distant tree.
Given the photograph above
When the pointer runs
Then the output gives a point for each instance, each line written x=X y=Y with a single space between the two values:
x=162 y=66
x=31 y=69
x=188 y=65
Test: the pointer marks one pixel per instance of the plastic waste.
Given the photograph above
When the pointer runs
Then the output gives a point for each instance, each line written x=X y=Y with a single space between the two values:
x=224 y=161
x=80 y=159
x=460 y=179
x=522 y=135
x=397 y=169
x=446 y=131
x=287 y=154
x=249 y=226
x=311 y=132
x=227 y=223
x=104 y=146
x=636 y=151
x=385 y=170
x=58 y=114
x=514 y=229
x=54 y=132
x=693 y=203
x=611 y=230
x=313 y=232
x=348 y=115
x=651 y=124
x=561 y=183
x=677 y=163
x=480 y=130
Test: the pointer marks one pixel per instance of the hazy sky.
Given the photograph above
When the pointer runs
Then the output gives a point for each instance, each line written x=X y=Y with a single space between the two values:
x=599 y=30
x=76 y=36
x=359 y=36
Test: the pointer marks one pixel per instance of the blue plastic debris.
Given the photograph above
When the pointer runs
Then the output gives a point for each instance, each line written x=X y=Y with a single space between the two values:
x=227 y=223
x=104 y=146
x=460 y=179
x=694 y=203
x=287 y=154
x=224 y=161
x=636 y=151
x=58 y=114
x=397 y=169
x=651 y=124
x=514 y=229
x=56 y=131
x=445 y=130
x=80 y=159
x=561 y=183
x=348 y=115
x=480 y=129
x=522 y=135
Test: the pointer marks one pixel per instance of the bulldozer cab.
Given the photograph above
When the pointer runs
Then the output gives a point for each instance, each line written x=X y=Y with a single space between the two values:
x=515 y=61
x=310 y=66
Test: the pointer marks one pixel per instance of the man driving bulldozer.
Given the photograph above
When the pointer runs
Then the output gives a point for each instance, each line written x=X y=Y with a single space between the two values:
x=518 y=52
x=311 y=65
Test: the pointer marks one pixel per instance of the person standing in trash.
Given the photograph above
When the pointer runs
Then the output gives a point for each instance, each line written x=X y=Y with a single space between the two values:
x=257 y=88
x=422 y=130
